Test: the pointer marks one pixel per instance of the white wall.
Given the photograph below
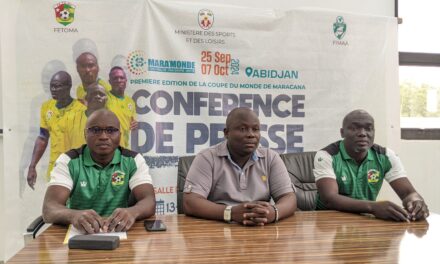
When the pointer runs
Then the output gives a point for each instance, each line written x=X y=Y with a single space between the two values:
x=420 y=158
x=2 y=12
x=19 y=207
x=1 y=143
x=2 y=221
x=11 y=230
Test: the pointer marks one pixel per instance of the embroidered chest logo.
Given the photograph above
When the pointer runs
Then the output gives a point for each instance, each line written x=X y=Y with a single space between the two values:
x=130 y=107
x=264 y=178
x=49 y=114
x=373 y=176
x=83 y=184
x=344 y=178
x=118 y=178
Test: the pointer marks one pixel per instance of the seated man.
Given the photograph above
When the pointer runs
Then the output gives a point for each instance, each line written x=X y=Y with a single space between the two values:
x=234 y=180
x=90 y=186
x=350 y=173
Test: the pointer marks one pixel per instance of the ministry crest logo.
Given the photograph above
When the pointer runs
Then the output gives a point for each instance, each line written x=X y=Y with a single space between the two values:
x=206 y=19
x=64 y=13
x=339 y=27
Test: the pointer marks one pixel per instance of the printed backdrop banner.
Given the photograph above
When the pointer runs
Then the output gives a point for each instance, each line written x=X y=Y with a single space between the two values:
x=188 y=64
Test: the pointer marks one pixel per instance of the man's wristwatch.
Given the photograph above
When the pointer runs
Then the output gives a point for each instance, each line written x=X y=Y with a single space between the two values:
x=276 y=213
x=227 y=214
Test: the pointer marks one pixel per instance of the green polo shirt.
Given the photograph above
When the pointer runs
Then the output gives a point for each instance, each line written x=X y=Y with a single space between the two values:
x=358 y=181
x=92 y=186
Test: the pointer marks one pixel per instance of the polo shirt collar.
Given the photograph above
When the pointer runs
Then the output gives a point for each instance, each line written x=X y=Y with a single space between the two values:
x=88 y=161
x=116 y=96
x=347 y=157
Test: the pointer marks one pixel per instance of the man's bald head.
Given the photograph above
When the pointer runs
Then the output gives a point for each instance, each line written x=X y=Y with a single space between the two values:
x=242 y=133
x=102 y=135
x=95 y=87
x=96 y=96
x=358 y=133
x=104 y=117
x=63 y=77
x=86 y=55
x=356 y=114
x=238 y=114
x=87 y=67
x=60 y=85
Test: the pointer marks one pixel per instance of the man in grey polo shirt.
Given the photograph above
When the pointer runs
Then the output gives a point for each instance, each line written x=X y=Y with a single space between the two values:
x=234 y=180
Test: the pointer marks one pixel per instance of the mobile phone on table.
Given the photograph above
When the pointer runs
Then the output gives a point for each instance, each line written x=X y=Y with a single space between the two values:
x=154 y=225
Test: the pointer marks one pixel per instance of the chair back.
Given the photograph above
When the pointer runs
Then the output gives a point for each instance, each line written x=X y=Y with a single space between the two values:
x=300 y=168
x=182 y=170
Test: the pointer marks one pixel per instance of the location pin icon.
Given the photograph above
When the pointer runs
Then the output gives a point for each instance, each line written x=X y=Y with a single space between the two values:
x=248 y=71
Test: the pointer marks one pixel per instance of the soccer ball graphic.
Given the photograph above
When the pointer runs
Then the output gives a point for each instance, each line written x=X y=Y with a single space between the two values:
x=64 y=15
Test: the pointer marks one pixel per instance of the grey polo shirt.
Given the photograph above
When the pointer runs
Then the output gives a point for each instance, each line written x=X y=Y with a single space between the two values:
x=216 y=177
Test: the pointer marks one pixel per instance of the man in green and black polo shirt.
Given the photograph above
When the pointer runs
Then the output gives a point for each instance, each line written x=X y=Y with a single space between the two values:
x=350 y=173
x=90 y=186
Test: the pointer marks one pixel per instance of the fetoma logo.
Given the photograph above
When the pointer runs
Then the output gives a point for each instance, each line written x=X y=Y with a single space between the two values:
x=64 y=13
x=136 y=62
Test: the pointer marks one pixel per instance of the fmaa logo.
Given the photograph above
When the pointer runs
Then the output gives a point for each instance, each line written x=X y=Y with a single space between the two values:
x=339 y=27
